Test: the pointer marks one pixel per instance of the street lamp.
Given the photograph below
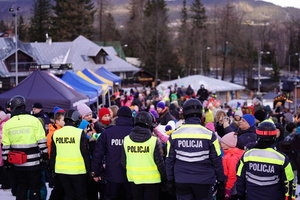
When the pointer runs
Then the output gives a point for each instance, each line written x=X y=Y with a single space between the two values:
x=15 y=15
x=259 y=66
x=201 y=59
x=295 y=54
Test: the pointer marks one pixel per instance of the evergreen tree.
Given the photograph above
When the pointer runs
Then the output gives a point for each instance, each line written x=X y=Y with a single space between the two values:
x=3 y=26
x=22 y=29
x=184 y=41
x=73 y=18
x=156 y=44
x=198 y=17
x=40 y=21
x=111 y=32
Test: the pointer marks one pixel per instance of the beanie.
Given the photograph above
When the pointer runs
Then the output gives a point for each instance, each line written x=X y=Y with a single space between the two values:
x=161 y=105
x=124 y=111
x=230 y=139
x=83 y=109
x=250 y=119
x=210 y=126
x=260 y=115
x=238 y=112
x=170 y=125
x=3 y=115
x=103 y=111
x=57 y=109
x=37 y=105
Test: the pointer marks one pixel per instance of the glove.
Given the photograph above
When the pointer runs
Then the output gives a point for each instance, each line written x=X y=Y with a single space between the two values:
x=6 y=165
x=45 y=161
x=241 y=197
x=171 y=188
x=227 y=194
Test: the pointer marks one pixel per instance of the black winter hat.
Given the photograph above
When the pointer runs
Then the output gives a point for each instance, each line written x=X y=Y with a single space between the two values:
x=37 y=105
x=124 y=111
x=260 y=115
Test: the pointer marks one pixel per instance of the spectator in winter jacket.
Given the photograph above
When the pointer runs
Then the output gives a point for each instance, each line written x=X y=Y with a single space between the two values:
x=245 y=132
x=164 y=114
x=37 y=111
x=231 y=157
x=109 y=146
x=220 y=115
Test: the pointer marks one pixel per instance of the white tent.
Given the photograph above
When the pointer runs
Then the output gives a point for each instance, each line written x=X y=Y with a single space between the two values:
x=211 y=84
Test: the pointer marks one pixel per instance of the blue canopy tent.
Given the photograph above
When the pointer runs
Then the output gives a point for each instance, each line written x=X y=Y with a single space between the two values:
x=83 y=86
x=47 y=89
x=108 y=75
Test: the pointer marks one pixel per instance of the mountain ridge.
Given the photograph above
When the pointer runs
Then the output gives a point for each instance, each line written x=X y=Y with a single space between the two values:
x=254 y=10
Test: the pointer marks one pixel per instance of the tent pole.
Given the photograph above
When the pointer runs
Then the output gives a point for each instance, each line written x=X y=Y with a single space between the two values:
x=109 y=103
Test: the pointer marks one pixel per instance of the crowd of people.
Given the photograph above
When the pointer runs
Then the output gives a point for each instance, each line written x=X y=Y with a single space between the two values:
x=149 y=144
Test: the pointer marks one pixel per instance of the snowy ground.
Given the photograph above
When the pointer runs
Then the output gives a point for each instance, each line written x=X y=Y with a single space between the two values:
x=6 y=194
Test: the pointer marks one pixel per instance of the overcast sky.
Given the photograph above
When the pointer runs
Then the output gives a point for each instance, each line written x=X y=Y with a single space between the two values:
x=285 y=3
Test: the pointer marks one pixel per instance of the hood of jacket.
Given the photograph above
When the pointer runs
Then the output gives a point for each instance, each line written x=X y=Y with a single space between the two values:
x=140 y=134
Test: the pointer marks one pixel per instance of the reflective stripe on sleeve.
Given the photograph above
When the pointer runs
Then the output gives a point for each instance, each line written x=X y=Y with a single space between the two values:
x=217 y=147
x=289 y=172
x=35 y=155
x=239 y=170
x=23 y=146
x=28 y=164
x=168 y=148
x=4 y=147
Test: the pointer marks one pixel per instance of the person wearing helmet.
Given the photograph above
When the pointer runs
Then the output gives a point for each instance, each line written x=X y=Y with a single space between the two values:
x=24 y=146
x=193 y=160
x=70 y=157
x=263 y=172
x=143 y=160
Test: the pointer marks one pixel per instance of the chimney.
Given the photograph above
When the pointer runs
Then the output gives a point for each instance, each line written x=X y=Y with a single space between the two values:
x=49 y=40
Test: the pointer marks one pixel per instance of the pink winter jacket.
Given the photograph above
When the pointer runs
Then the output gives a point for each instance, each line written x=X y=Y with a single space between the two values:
x=230 y=160
x=1 y=127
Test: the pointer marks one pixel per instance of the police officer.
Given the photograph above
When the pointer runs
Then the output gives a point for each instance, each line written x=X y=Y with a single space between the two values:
x=24 y=133
x=70 y=157
x=109 y=145
x=263 y=172
x=143 y=159
x=193 y=158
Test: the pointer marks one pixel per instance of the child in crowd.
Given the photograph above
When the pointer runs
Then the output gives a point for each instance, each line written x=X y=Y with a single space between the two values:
x=231 y=157
x=104 y=117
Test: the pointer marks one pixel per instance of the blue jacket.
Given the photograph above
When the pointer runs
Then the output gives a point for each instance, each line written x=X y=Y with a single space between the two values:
x=109 y=145
x=193 y=155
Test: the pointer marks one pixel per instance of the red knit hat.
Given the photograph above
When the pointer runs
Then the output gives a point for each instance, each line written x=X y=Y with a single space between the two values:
x=102 y=112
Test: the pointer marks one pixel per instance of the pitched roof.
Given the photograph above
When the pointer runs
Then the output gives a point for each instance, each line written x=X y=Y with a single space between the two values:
x=77 y=53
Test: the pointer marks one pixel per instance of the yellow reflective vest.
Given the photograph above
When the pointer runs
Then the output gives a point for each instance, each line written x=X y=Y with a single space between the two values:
x=25 y=133
x=69 y=159
x=140 y=165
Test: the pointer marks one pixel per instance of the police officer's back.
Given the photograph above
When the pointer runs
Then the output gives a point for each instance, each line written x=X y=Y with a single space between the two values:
x=263 y=172
x=25 y=134
x=193 y=156
x=70 y=157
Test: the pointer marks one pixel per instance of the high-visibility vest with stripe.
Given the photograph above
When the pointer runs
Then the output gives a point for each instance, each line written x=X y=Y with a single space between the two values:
x=190 y=143
x=68 y=159
x=263 y=167
x=140 y=165
x=24 y=133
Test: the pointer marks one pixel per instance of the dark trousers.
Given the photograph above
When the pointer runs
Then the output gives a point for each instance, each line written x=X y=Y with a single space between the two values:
x=58 y=192
x=118 y=191
x=28 y=180
x=145 y=191
x=192 y=191
x=4 y=178
x=75 y=186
